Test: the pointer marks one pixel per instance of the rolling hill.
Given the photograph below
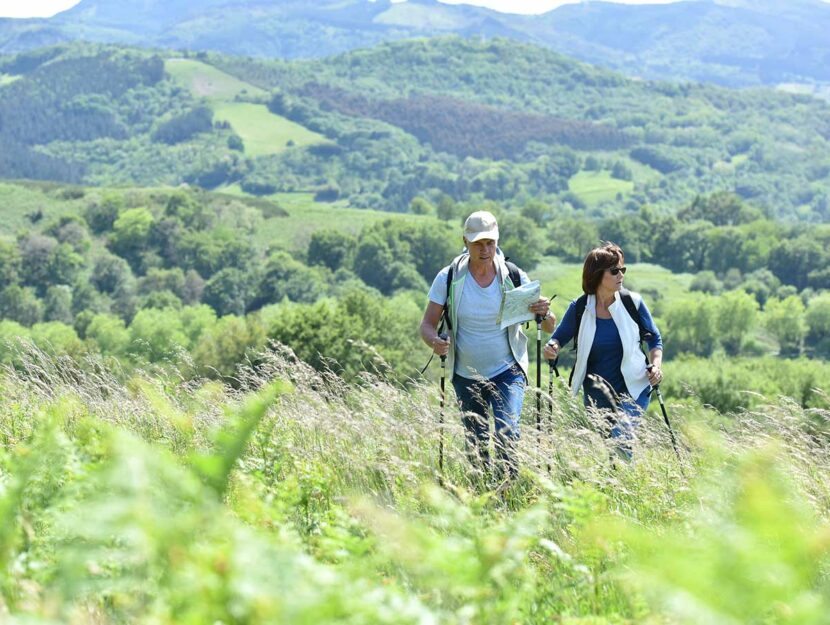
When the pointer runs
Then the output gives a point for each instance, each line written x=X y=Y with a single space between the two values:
x=736 y=42
x=441 y=118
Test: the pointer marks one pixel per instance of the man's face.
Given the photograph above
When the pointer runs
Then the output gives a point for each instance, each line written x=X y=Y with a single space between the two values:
x=482 y=250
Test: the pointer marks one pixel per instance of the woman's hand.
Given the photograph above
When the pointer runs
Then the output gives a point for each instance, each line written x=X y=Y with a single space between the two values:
x=655 y=375
x=551 y=350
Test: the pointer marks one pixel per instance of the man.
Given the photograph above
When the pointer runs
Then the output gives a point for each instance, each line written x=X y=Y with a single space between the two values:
x=488 y=365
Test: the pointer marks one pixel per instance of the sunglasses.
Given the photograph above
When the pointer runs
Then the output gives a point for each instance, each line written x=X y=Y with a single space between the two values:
x=615 y=270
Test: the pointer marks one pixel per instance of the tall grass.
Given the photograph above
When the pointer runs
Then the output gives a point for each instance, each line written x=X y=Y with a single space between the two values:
x=297 y=498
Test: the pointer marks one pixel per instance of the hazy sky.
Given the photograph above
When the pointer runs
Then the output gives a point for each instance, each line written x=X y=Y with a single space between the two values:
x=46 y=8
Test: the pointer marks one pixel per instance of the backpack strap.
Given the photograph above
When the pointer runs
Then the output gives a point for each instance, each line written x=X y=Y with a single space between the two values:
x=634 y=313
x=445 y=316
x=514 y=273
x=579 y=310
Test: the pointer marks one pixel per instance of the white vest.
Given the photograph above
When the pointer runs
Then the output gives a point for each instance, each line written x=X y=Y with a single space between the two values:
x=633 y=365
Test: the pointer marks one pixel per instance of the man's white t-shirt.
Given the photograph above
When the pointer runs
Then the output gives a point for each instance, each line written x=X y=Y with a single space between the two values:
x=482 y=348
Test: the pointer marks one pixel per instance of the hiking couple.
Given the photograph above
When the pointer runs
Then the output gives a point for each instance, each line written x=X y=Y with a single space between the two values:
x=489 y=366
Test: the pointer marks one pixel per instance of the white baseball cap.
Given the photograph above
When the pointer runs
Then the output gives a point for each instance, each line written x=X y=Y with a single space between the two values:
x=481 y=225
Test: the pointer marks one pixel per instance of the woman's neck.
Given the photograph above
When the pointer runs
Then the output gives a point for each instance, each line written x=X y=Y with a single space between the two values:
x=605 y=298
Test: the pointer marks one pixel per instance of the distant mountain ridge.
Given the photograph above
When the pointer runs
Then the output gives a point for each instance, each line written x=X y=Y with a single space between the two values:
x=733 y=43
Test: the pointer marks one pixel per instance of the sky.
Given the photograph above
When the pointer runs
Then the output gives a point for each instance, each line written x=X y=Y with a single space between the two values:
x=47 y=8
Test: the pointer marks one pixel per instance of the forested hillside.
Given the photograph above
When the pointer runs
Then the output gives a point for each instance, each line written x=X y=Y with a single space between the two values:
x=736 y=43
x=447 y=118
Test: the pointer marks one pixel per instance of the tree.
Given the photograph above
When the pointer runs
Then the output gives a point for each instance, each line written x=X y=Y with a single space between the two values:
x=102 y=212
x=55 y=338
x=536 y=211
x=721 y=209
x=229 y=291
x=421 y=206
x=285 y=277
x=231 y=341
x=157 y=334
x=196 y=320
x=130 y=234
x=785 y=320
x=10 y=264
x=520 y=240
x=330 y=248
x=109 y=272
x=621 y=171
x=58 y=304
x=706 y=282
x=737 y=314
x=817 y=317
x=572 y=238
x=21 y=305
x=692 y=325
x=109 y=333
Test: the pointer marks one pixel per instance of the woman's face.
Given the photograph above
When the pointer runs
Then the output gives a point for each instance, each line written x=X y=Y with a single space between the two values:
x=611 y=282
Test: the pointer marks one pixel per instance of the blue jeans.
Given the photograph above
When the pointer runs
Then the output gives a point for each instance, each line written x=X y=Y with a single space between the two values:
x=625 y=415
x=505 y=395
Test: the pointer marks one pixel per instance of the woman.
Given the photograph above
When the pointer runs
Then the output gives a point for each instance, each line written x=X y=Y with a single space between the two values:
x=610 y=367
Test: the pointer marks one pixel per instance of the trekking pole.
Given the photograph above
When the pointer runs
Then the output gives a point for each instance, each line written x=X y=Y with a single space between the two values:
x=553 y=369
x=656 y=389
x=443 y=337
x=539 y=376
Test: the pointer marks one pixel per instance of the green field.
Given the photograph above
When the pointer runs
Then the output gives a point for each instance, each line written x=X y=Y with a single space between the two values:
x=305 y=217
x=22 y=201
x=206 y=81
x=594 y=187
x=263 y=132
x=6 y=79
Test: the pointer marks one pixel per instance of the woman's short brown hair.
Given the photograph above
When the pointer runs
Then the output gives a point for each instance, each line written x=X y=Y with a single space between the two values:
x=597 y=261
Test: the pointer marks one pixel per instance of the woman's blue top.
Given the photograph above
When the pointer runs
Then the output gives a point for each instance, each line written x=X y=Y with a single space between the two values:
x=605 y=357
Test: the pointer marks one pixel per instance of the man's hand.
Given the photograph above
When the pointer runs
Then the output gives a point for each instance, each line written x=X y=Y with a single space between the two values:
x=540 y=307
x=441 y=346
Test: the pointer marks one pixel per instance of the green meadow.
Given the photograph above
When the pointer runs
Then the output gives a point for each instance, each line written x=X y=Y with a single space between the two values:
x=20 y=202
x=6 y=79
x=306 y=216
x=262 y=132
x=206 y=81
x=594 y=187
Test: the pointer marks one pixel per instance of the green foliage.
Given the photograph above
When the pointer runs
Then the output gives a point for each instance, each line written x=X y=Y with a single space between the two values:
x=184 y=126
x=817 y=318
x=692 y=325
x=785 y=320
x=737 y=314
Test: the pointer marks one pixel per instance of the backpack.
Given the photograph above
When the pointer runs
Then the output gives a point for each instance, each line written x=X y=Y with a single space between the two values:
x=631 y=309
x=512 y=271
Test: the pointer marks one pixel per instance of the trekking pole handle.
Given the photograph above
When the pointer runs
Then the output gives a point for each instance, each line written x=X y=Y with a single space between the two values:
x=649 y=367
x=443 y=336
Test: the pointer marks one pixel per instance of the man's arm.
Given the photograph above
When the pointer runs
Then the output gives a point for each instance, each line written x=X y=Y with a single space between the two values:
x=429 y=329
